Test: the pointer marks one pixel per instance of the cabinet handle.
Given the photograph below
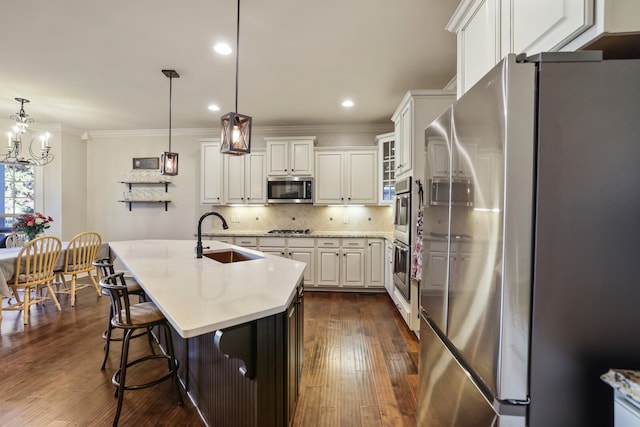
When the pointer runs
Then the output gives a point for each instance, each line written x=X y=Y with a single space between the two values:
x=337 y=254
x=290 y=253
x=282 y=253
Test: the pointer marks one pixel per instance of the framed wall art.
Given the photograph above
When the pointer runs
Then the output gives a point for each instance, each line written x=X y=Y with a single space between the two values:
x=146 y=163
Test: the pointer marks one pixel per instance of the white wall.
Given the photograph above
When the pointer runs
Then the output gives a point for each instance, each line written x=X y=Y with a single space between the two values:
x=109 y=158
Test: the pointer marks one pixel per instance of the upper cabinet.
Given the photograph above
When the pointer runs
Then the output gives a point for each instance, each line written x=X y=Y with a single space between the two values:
x=387 y=167
x=544 y=25
x=290 y=156
x=210 y=172
x=416 y=111
x=488 y=30
x=346 y=177
x=245 y=181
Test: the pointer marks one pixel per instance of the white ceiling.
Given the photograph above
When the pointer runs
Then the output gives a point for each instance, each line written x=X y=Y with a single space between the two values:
x=96 y=65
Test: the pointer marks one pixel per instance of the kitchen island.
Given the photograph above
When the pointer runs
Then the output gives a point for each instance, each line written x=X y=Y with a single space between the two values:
x=238 y=325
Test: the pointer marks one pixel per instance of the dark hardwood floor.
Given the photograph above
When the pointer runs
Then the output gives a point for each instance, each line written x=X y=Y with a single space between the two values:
x=360 y=368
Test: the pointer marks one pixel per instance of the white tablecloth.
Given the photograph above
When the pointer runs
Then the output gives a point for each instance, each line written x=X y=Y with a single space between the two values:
x=8 y=264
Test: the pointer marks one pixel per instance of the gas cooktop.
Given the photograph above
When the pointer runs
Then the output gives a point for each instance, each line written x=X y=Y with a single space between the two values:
x=307 y=231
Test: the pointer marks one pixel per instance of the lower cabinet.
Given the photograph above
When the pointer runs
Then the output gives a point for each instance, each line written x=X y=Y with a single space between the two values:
x=350 y=263
x=297 y=248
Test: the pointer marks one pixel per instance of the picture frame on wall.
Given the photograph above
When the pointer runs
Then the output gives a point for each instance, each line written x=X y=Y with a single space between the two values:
x=146 y=163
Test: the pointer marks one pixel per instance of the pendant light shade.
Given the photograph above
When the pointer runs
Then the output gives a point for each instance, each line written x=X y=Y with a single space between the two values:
x=169 y=160
x=235 y=128
x=235 y=134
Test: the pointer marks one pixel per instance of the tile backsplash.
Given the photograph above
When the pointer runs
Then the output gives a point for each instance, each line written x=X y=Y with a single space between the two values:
x=298 y=216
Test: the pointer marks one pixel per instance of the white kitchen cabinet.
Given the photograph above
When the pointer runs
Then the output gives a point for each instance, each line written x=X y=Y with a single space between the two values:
x=346 y=177
x=476 y=24
x=544 y=25
x=460 y=167
x=352 y=263
x=297 y=248
x=303 y=249
x=328 y=262
x=610 y=17
x=249 y=242
x=245 y=181
x=387 y=168
x=273 y=245
x=290 y=156
x=341 y=264
x=388 y=270
x=415 y=112
x=375 y=263
x=488 y=30
x=210 y=172
x=625 y=412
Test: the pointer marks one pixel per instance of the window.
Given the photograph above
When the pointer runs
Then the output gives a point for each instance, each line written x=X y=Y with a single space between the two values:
x=19 y=192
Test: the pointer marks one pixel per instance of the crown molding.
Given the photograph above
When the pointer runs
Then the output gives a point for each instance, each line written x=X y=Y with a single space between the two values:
x=275 y=130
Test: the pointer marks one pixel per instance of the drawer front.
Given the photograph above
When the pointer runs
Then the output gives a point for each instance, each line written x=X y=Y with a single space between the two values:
x=228 y=240
x=328 y=243
x=353 y=243
x=301 y=242
x=272 y=241
x=246 y=241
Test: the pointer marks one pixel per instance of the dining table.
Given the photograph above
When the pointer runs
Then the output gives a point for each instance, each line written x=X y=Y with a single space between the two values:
x=8 y=258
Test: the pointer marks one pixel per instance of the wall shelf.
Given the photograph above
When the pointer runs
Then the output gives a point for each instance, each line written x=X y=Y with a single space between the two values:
x=133 y=200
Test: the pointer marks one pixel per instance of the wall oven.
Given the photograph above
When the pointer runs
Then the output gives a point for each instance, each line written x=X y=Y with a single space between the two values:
x=402 y=211
x=402 y=269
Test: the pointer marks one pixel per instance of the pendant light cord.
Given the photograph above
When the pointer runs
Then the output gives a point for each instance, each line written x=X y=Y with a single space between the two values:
x=237 y=53
x=170 y=98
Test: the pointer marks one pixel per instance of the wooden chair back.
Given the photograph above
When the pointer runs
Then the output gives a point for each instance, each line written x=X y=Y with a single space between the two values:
x=36 y=261
x=81 y=252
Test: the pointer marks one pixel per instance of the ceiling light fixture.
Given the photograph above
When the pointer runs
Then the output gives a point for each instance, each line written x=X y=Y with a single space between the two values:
x=347 y=103
x=14 y=141
x=222 y=48
x=235 y=130
x=169 y=160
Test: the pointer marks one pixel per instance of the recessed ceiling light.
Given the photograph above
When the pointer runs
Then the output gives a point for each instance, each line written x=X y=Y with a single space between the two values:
x=347 y=103
x=222 y=48
x=213 y=107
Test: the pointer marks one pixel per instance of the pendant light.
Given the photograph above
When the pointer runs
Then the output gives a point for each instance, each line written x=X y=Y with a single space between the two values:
x=169 y=160
x=235 y=130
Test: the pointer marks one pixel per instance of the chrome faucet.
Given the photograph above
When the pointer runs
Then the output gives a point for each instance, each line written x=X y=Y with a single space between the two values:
x=199 y=247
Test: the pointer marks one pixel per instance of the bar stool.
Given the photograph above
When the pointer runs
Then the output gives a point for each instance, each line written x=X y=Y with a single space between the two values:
x=105 y=268
x=129 y=318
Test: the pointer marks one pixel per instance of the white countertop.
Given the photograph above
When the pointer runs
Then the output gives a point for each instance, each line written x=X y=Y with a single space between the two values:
x=202 y=295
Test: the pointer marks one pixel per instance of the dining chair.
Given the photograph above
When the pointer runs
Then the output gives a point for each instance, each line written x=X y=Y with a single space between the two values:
x=130 y=318
x=34 y=272
x=15 y=239
x=105 y=268
x=81 y=251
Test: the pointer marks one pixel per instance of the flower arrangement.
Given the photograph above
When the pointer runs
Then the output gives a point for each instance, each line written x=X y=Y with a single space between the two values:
x=32 y=224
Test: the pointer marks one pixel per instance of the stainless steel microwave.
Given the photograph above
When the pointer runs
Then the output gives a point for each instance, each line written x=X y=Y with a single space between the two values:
x=458 y=192
x=290 y=189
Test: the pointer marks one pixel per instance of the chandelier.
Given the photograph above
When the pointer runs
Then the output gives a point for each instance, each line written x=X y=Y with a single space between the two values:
x=235 y=129
x=15 y=144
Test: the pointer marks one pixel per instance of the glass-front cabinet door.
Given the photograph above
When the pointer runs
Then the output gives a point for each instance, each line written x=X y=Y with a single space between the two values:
x=387 y=156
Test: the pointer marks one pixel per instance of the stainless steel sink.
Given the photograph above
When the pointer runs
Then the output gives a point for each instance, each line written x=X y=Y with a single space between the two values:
x=229 y=255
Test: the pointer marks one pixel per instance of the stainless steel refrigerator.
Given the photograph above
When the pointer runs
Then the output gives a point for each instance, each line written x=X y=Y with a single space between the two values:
x=531 y=289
